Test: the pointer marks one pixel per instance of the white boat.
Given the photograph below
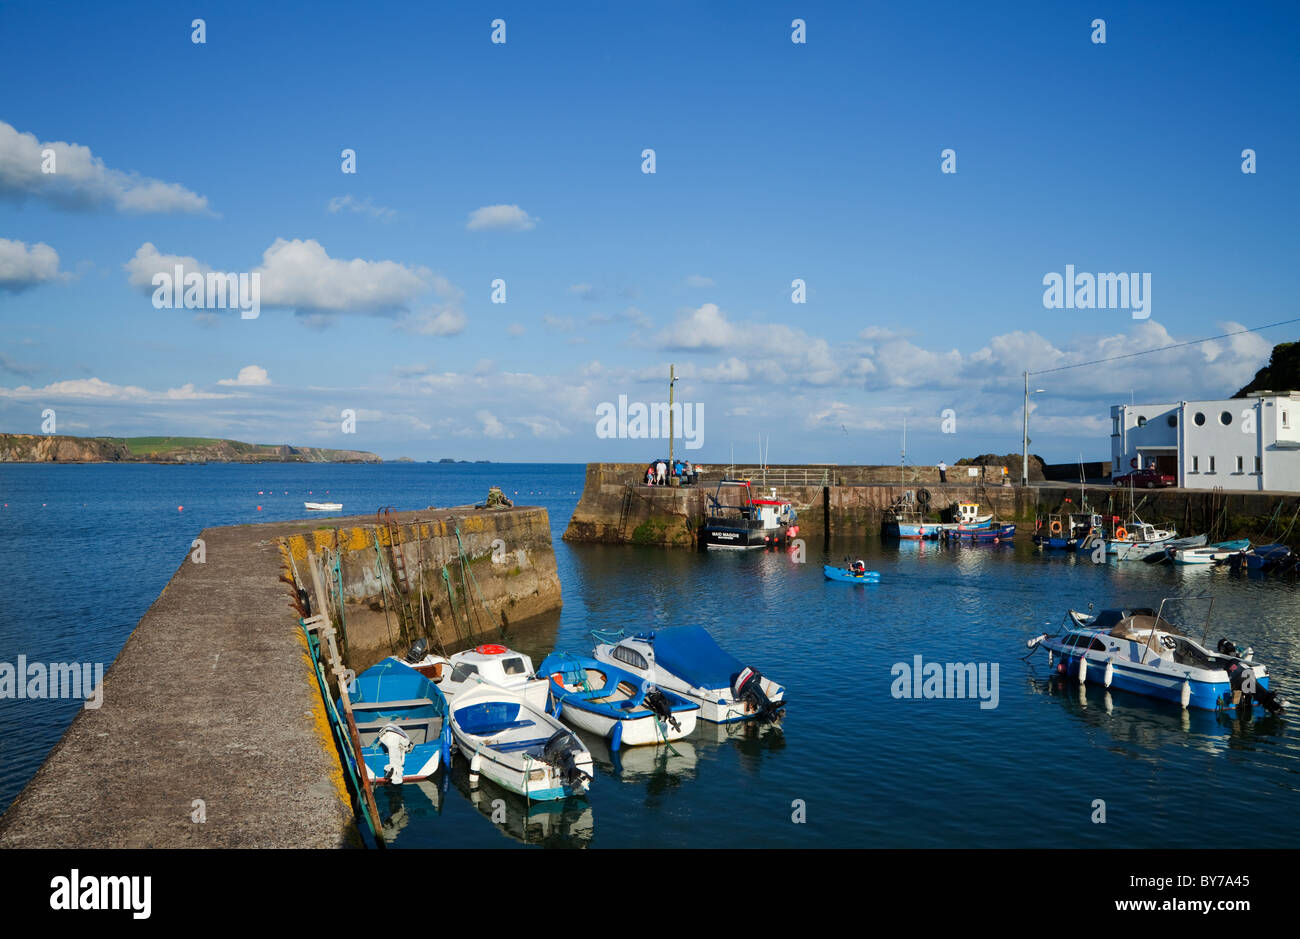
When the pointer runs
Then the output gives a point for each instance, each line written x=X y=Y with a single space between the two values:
x=518 y=747
x=487 y=664
x=615 y=703
x=685 y=659
x=1139 y=543
x=1212 y=554
x=323 y=506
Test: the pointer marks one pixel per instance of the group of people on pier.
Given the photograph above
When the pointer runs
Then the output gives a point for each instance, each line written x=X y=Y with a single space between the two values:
x=656 y=473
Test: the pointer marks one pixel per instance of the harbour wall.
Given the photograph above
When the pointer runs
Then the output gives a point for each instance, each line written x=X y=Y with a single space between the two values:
x=850 y=501
x=211 y=730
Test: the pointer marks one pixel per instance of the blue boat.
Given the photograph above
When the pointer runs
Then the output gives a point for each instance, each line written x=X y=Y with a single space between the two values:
x=401 y=718
x=615 y=704
x=1265 y=556
x=994 y=535
x=1138 y=650
x=850 y=575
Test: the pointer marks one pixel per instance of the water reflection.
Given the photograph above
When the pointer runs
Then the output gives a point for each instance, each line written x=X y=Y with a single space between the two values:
x=559 y=823
x=412 y=803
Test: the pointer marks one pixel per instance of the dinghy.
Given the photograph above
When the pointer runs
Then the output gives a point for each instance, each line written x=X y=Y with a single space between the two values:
x=401 y=719
x=615 y=704
x=855 y=573
x=685 y=659
x=1139 y=650
x=518 y=747
x=489 y=664
x=1213 y=554
x=323 y=506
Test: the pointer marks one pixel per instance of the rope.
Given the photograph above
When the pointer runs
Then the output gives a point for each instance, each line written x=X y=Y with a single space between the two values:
x=608 y=636
x=383 y=593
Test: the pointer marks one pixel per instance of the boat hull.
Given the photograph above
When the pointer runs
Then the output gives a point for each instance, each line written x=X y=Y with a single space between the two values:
x=1128 y=676
x=845 y=576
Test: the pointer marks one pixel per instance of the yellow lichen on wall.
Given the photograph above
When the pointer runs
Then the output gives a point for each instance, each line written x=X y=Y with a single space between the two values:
x=321 y=726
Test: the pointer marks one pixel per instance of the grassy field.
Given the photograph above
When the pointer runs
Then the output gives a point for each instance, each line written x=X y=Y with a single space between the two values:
x=140 y=446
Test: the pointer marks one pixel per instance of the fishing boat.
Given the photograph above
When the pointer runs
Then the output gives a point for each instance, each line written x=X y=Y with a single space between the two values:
x=1212 y=554
x=520 y=748
x=995 y=534
x=686 y=660
x=1139 y=541
x=401 y=719
x=486 y=664
x=855 y=573
x=748 y=523
x=1141 y=651
x=968 y=514
x=905 y=519
x=323 y=506
x=614 y=703
x=1068 y=533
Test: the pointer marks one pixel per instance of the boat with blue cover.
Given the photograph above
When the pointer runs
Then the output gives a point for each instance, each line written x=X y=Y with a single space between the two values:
x=1262 y=557
x=855 y=573
x=615 y=704
x=401 y=719
x=517 y=746
x=687 y=660
x=1141 y=651
x=994 y=534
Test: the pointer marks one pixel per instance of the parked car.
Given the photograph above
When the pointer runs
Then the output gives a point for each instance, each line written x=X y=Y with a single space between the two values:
x=1146 y=479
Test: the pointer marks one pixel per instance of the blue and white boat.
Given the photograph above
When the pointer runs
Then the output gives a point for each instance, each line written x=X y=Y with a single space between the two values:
x=1262 y=557
x=517 y=746
x=1212 y=554
x=686 y=660
x=994 y=534
x=1138 y=650
x=855 y=573
x=401 y=719
x=614 y=704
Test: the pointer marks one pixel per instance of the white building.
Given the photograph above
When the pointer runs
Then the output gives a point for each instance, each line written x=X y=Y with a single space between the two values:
x=1241 y=443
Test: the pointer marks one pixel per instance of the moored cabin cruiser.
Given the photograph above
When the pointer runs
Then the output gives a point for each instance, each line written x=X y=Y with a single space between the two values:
x=489 y=663
x=686 y=660
x=750 y=523
x=1139 y=650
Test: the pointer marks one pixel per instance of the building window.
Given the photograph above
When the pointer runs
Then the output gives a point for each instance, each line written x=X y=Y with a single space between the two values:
x=1199 y=419
x=1114 y=425
x=1142 y=421
x=1257 y=464
x=1225 y=418
x=1196 y=464
x=1172 y=420
x=1285 y=425
x=1211 y=469
x=1241 y=468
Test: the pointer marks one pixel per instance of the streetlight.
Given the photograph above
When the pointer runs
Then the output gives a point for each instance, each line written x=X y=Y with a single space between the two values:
x=1024 y=440
x=672 y=380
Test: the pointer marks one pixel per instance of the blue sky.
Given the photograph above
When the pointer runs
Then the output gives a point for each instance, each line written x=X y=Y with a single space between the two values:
x=775 y=161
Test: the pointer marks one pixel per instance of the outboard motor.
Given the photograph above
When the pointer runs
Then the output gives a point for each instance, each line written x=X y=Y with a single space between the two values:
x=419 y=649
x=657 y=701
x=560 y=752
x=395 y=740
x=747 y=686
x=1241 y=677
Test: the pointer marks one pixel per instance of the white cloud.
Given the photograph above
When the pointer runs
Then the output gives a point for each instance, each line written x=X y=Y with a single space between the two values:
x=301 y=275
x=516 y=329
x=437 y=321
x=81 y=181
x=699 y=280
x=249 y=376
x=22 y=267
x=500 y=218
x=148 y=261
x=95 y=388
x=361 y=207
x=559 y=324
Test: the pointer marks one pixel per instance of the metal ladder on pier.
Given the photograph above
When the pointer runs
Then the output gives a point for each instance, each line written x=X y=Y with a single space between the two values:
x=625 y=512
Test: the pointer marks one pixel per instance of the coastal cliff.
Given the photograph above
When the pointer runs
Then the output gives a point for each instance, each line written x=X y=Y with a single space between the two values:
x=56 y=448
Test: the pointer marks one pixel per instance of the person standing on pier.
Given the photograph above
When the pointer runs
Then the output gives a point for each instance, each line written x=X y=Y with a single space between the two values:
x=943 y=471
x=661 y=468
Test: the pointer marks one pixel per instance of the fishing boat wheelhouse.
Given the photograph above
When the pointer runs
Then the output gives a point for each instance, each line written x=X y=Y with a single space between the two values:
x=748 y=522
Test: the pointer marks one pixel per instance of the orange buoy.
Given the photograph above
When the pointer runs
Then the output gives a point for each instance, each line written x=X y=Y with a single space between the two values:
x=490 y=649
x=1056 y=527
x=180 y=508
x=1121 y=533
x=259 y=508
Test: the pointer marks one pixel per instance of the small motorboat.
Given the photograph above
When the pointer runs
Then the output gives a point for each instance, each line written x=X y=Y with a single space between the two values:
x=1262 y=557
x=1212 y=554
x=1139 y=650
x=486 y=664
x=520 y=748
x=401 y=718
x=1140 y=542
x=614 y=703
x=1173 y=546
x=323 y=506
x=1067 y=534
x=855 y=573
x=994 y=534
x=685 y=659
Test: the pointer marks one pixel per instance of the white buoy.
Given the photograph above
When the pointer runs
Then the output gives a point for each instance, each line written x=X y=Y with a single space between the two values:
x=1186 y=696
x=1106 y=700
x=475 y=764
x=1083 y=670
x=1108 y=675
x=1050 y=658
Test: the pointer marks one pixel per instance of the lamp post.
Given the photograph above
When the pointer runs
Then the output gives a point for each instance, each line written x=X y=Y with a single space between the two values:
x=1024 y=440
x=672 y=380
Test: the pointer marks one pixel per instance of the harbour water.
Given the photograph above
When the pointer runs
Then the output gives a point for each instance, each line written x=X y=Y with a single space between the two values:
x=84 y=550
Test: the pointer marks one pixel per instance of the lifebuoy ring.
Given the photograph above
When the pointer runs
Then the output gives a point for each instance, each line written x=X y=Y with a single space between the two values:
x=1056 y=527
x=1133 y=463
x=1121 y=533
x=490 y=649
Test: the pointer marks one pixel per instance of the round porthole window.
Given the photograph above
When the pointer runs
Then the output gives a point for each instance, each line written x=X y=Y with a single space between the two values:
x=1173 y=420
x=1199 y=419
x=1225 y=418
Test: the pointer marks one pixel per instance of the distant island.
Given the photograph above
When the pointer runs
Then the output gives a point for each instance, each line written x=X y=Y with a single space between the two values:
x=57 y=448
x=450 y=460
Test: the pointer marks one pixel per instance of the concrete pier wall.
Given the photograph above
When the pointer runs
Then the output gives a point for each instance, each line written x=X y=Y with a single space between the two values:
x=212 y=731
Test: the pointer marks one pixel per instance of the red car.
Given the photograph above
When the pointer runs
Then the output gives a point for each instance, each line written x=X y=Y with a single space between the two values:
x=1146 y=479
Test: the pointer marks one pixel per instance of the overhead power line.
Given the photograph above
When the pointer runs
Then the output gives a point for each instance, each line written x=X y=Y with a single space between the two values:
x=1172 y=345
